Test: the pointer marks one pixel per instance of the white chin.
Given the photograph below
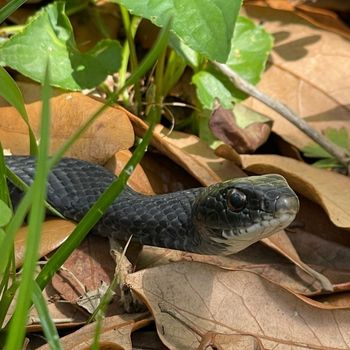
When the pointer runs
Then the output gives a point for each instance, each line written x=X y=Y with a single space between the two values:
x=237 y=241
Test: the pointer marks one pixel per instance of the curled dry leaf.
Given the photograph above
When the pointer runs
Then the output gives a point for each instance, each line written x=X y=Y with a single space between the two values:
x=308 y=72
x=188 y=300
x=115 y=333
x=110 y=133
x=329 y=258
x=244 y=140
x=281 y=243
x=330 y=190
x=191 y=153
x=259 y=259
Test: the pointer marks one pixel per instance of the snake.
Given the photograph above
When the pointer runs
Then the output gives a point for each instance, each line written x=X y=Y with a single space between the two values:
x=220 y=219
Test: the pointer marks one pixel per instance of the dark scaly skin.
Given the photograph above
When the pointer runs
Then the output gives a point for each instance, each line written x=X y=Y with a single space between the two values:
x=191 y=220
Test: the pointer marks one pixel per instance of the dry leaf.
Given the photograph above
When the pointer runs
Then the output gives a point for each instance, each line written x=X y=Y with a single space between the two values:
x=115 y=333
x=312 y=12
x=256 y=258
x=85 y=269
x=54 y=233
x=110 y=133
x=309 y=72
x=188 y=300
x=191 y=153
x=230 y=342
x=281 y=243
x=138 y=179
x=244 y=140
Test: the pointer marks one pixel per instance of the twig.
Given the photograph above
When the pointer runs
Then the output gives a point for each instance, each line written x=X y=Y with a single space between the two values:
x=338 y=153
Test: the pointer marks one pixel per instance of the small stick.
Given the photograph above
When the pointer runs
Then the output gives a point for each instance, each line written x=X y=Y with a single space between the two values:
x=338 y=153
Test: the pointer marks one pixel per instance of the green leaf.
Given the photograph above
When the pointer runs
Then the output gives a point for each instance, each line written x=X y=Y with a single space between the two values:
x=245 y=116
x=49 y=35
x=251 y=45
x=250 y=48
x=5 y=214
x=313 y=150
x=338 y=136
x=327 y=163
x=210 y=88
x=190 y=56
x=112 y=192
x=204 y=25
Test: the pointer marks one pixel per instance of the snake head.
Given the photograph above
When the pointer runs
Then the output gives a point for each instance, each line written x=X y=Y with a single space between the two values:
x=234 y=214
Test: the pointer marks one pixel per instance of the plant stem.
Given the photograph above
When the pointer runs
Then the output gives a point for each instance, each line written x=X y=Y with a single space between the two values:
x=159 y=79
x=338 y=153
x=130 y=30
x=125 y=59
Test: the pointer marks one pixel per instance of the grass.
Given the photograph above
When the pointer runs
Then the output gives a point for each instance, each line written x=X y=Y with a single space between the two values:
x=27 y=288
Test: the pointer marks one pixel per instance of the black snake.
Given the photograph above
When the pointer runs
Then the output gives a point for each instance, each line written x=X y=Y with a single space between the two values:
x=220 y=219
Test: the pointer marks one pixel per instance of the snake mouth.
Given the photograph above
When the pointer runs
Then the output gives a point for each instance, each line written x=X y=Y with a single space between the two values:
x=286 y=209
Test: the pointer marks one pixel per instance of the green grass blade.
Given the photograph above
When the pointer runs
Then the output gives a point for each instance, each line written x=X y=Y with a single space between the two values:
x=6 y=300
x=9 y=8
x=36 y=216
x=14 y=225
x=12 y=94
x=19 y=183
x=157 y=49
x=97 y=210
x=49 y=327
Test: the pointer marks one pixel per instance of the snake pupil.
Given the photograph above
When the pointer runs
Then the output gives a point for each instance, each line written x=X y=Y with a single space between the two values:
x=236 y=200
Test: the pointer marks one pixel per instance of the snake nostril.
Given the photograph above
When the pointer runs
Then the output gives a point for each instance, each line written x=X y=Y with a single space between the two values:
x=287 y=204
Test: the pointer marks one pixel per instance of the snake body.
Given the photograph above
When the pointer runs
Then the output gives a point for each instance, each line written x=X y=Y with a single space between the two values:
x=220 y=219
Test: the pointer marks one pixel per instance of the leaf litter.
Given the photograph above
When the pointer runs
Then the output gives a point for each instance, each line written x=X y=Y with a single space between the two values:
x=263 y=297
x=285 y=275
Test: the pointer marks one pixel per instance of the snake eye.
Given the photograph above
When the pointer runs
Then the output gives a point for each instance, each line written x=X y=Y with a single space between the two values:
x=236 y=200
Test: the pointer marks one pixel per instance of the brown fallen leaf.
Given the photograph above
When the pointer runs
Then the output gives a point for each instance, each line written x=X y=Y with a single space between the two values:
x=244 y=140
x=256 y=258
x=308 y=72
x=281 y=243
x=230 y=342
x=329 y=258
x=328 y=189
x=54 y=233
x=115 y=333
x=312 y=12
x=188 y=151
x=138 y=179
x=85 y=269
x=187 y=296
x=165 y=175
x=110 y=133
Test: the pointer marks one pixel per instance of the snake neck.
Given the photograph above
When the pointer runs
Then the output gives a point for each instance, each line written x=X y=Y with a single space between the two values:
x=162 y=220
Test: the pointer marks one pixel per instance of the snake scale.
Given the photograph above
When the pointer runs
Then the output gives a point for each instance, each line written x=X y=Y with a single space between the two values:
x=221 y=219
